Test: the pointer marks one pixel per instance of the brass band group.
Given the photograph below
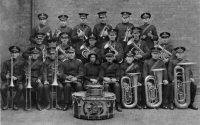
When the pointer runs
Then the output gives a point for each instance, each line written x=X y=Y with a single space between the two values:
x=141 y=68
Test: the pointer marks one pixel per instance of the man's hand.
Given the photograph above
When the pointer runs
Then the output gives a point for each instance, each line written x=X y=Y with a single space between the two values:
x=107 y=79
x=192 y=79
x=7 y=76
x=150 y=34
x=138 y=56
x=105 y=33
x=93 y=80
x=144 y=36
x=38 y=81
x=74 y=79
x=165 y=82
x=14 y=78
x=46 y=82
x=114 y=80
x=165 y=60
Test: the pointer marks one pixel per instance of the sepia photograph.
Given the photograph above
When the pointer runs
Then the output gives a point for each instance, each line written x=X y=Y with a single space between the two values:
x=100 y=62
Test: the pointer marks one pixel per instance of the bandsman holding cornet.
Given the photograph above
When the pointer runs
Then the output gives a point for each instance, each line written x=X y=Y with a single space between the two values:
x=149 y=32
x=180 y=58
x=100 y=30
x=12 y=79
x=80 y=33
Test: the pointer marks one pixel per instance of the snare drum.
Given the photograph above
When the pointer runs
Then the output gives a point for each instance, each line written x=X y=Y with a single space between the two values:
x=92 y=107
x=94 y=90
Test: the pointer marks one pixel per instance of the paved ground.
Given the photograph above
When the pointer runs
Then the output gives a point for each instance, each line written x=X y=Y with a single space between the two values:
x=127 y=117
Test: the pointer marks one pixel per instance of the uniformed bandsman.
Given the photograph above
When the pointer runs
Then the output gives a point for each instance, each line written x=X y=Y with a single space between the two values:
x=100 y=30
x=124 y=28
x=72 y=76
x=48 y=77
x=154 y=63
x=80 y=34
x=17 y=78
x=63 y=27
x=149 y=32
x=110 y=74
x=42 y=27
x=180 y=57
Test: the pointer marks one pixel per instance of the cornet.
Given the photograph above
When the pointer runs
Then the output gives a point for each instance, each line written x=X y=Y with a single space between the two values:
x=182 y=84
x=153 y=88
x=79 y=31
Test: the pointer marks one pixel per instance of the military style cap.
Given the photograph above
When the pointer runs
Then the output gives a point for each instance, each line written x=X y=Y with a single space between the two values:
x=64 y=35
x=138 y=29
x=146 y=15
x=35 y=50
x=113 y=31
x=52 y=43
x=180 y=49
x=62 y=17
x=14 y=49
x=42 y=16
x=69 y=49
x=126 y=13
x=39 y=35
x=155 y=50
x=92 y=37
x=165 y=35
x=83 y=15
x=110 y=53
x=51 y=50
x=93 y=53
x=102 y=13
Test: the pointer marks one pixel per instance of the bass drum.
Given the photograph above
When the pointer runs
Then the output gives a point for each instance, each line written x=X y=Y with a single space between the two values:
x=93 y=108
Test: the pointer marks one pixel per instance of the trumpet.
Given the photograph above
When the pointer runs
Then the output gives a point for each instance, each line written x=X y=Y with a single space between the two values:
x=55 y=82
x=108 y=45
x=182 y=85
x=128 y=30
x=28 y=85
x=79 y=31
x=153 y=88
x=129 y=85
x=105 y=29
x=86 y=51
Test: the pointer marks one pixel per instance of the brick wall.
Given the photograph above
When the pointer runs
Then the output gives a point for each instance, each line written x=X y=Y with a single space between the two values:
x=180 y=17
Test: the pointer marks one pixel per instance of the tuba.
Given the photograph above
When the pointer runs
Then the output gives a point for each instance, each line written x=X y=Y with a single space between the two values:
x=129 y=86
x=182 y=84
x=128 y=30
x=86 y=51
x=153 y=88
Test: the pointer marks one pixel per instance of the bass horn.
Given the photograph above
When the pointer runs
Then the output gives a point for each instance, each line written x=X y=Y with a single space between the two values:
x=182 y=84
x=129 y=86
x=153 y=88
x=86 y=51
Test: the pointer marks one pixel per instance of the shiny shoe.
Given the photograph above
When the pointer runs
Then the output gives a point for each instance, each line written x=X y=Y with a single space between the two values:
x=139 y=107
x=5 y=107
x=192 y=107
x=48 y=107
x=171 y=107
x=144 y=107
x=118 y=108
x=66 y=107
x=164 y=107
x=15 y=108
x=58 y=107
x=39 y=107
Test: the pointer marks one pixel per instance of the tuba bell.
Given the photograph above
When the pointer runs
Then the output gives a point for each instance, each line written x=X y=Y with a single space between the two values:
x=153 y=88
x=129 y=86
x=182 y=85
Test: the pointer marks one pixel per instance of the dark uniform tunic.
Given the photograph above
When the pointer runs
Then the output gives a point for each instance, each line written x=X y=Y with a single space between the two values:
x=172 y=63
x=122 y=27
x=18 y=84
x=111 y=70
x=91 y=71
x=77 y=41
x=97 y=32
x=156 y=64
x=48 y=75
x=75 y=68
x=149 y=40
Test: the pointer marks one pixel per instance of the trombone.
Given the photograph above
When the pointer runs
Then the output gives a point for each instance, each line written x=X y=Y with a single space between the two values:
x=28 y=85
x=55 y=82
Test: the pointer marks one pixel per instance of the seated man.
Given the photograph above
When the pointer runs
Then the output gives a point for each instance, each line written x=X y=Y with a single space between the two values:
x=110 y=73
x=72 y=76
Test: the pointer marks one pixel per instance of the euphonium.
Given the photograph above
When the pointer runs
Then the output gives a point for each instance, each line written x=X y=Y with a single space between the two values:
x=108 y=45
x=85 y=51
x=126 y=34
x=105 y=28
x=153 y=88
x=129 y=86
x=182 y=85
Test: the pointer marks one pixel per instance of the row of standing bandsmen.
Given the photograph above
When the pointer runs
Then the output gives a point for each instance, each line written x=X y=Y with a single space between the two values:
x=73 y=75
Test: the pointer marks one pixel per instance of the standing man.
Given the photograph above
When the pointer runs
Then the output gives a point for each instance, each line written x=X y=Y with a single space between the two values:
x=17 y=78
x=156 y=63
x=72 y=76
x=110 y=74
x=124 y=29
x=80 y=34
x=49 y=75
x=179 y=57
x=149 y=32
x=100 y=30
x=36 y=73
x=63 y=27
x=42 y=27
